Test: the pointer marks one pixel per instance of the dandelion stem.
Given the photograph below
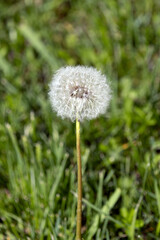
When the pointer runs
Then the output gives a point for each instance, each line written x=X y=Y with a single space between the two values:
x=79 y=203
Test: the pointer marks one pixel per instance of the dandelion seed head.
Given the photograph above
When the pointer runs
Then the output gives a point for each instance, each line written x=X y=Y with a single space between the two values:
x=79 y=91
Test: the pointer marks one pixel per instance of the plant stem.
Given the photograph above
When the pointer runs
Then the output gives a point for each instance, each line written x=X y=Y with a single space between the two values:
x=79 y=203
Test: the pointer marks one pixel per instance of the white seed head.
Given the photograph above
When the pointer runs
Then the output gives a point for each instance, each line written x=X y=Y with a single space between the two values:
x=79 y=91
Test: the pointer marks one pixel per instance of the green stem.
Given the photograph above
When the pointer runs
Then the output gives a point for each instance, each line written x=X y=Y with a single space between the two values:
x=79 y=203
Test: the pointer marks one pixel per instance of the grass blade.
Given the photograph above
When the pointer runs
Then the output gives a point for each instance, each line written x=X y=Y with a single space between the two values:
x=105 y=211
x=57 y=181
x=37 y=44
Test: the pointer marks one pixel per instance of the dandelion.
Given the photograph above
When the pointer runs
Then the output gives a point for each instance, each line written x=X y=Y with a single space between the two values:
x=79 y=93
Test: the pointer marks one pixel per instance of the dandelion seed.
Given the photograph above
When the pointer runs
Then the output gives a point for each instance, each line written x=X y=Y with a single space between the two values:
x=79 y=90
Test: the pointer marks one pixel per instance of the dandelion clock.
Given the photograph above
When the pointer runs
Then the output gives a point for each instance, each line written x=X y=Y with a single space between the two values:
x=79 y=93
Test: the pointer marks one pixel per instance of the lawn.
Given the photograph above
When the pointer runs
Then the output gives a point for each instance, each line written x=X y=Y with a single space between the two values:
x=120 y=150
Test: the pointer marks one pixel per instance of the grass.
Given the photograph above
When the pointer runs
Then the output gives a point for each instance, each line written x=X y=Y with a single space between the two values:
x=120 y=151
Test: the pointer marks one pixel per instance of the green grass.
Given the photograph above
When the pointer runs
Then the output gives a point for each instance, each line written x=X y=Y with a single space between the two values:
x=120 y=151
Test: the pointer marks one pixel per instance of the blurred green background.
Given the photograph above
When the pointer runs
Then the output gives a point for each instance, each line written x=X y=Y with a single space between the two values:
x=120 y=151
